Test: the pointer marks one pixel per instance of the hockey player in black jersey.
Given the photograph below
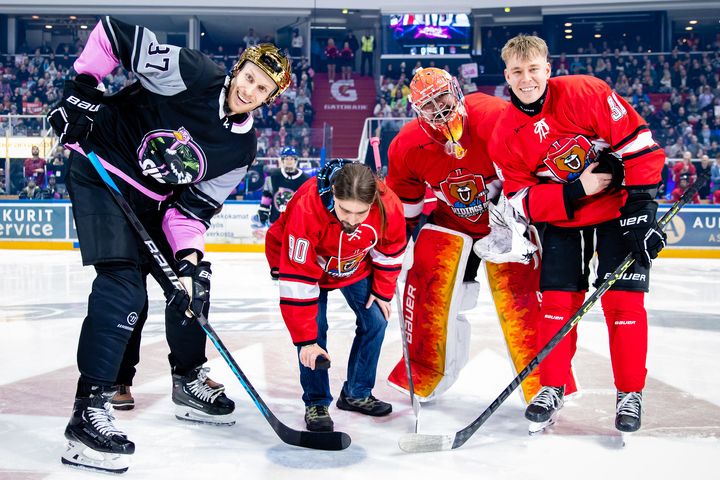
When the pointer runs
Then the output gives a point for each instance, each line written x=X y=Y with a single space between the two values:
x=280 y=186
x=176 y=142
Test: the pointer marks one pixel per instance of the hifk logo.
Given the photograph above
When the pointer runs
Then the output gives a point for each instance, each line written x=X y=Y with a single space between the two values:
x=466 y=193
x=568 y=157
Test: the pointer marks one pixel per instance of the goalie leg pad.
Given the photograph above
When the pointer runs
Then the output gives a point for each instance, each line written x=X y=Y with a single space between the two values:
x=438 y=341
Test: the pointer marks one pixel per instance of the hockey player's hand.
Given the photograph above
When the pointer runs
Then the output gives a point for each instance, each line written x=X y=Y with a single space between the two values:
x=384 y=306
x=72 y=119
x=310 y=353
x=594 y=182
x=195 y=299
x=639 y=226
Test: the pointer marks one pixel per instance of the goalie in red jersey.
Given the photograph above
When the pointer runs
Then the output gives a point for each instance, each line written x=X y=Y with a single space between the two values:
x=445 y=150
x=576 y=156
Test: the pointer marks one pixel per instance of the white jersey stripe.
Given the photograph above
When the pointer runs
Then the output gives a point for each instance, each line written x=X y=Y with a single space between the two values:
x=299 y=291
x=644 y=140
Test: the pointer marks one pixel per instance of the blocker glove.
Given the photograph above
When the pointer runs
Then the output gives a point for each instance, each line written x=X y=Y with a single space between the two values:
x=194 y=300
x=73 y=117
x=639 y=227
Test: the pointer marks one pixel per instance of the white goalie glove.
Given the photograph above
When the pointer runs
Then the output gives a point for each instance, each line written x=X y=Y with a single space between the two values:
x=507 y=241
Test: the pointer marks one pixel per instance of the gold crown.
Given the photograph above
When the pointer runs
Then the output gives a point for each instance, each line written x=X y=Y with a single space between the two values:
x=272 y=61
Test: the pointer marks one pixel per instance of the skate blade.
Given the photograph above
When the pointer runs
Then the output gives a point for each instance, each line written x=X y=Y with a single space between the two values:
x=188 y=414
x=80 y=456
x=538 y=427
x=625 y=438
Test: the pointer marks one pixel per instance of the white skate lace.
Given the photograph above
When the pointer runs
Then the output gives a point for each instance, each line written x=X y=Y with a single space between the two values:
x=630 y=404
x=202 y=390
x=547 y=398
x=102 y=420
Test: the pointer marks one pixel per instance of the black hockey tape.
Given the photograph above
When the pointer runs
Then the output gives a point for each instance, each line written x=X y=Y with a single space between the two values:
x=322 y=363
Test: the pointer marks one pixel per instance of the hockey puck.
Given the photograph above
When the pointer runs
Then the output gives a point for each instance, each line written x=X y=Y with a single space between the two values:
x=322 y=363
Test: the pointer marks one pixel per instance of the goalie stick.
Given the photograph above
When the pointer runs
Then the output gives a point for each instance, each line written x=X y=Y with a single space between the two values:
x=305 y=439
x=418 y=442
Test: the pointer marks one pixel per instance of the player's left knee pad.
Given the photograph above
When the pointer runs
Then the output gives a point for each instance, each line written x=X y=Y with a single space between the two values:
x=622 y=305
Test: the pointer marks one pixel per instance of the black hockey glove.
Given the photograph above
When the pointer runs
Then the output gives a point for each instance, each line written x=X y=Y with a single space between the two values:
x=275 y=273
x=73 y=117
x=609 y=162
x=194 y=300
x=639 y=226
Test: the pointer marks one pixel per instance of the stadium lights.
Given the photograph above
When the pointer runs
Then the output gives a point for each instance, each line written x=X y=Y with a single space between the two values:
x=344 y=11
x=693 y=22
x=569 y=37
x=688 y=28
x=568 y=24
x=72 y=17
x=35 y=17
x=83 y=27
x=597 y=35
x=49 y=27
x=568 y=30
x=507 y=9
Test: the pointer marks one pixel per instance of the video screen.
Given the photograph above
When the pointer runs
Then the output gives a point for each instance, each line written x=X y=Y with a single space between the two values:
x=427 y=30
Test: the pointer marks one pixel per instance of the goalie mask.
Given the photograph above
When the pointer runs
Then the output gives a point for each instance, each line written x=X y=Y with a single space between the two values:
x=272 y=61
x=438 y=101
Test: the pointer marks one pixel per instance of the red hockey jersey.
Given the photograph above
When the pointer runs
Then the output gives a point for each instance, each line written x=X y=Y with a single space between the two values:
x=462 y=186
x=311 y=250
x=536 y=155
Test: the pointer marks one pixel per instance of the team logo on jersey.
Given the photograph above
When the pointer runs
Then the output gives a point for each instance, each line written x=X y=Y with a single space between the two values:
x=171 y=156
x=541 y=129
x=466 y=194
x=282 y=197
x=362 y=240
x=568 y=157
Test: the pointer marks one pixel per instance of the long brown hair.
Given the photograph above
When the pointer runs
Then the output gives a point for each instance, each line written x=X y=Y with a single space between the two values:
x=356 y=181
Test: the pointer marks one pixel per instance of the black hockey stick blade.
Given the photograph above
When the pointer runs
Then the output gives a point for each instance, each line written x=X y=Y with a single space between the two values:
x=312 y=440
x=418 y=442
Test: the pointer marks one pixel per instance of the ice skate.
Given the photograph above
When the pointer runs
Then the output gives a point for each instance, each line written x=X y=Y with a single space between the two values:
x=201 y=400
x=628 y=413
x=543 y=410
x=94 y=442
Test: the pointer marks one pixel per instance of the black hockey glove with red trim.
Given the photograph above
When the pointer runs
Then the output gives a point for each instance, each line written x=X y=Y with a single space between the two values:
x=639 y=226
x=72 y=119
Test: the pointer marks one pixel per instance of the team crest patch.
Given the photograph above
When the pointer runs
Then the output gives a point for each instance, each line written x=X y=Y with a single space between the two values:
x=171 y=156
x=568 y=157
x=282 y=197
x=466 y=194
x=357 y=244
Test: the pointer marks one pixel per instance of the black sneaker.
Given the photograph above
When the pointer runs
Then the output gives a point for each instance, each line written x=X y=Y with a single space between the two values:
x=367 y=406
x=545 y=404
x=628 y=411
x=317 y=419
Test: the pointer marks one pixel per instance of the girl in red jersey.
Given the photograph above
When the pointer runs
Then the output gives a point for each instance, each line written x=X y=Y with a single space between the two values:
x=343 y=229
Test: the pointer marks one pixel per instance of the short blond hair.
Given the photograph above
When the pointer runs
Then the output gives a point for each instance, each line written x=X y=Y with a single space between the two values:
x=524 y=47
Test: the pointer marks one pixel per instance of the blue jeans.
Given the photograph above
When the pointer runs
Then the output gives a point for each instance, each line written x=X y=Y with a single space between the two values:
x=364 y=354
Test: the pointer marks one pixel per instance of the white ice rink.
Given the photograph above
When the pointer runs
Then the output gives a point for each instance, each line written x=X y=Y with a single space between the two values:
x=43 y=304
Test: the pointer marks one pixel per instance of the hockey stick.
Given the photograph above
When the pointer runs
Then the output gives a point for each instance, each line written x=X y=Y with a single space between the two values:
x=314 y=440
x=406 y=357
x=431 y=443
x=375 y=142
